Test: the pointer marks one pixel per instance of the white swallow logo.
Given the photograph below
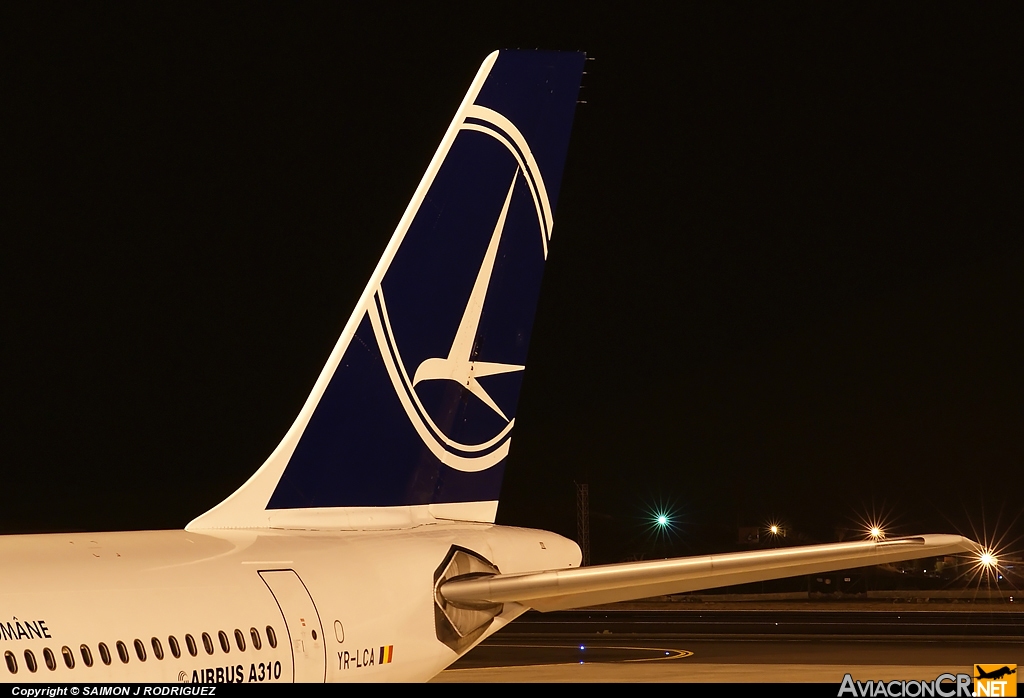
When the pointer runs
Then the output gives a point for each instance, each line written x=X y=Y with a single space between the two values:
x=459 y=365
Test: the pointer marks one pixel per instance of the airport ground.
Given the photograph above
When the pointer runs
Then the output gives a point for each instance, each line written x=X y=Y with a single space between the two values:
x=753 y=639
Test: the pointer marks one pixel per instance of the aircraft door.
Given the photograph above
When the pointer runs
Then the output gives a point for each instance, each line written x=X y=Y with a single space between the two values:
x=302 y=621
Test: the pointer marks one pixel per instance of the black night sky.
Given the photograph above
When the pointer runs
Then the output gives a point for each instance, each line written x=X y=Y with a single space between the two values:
x=785 y=280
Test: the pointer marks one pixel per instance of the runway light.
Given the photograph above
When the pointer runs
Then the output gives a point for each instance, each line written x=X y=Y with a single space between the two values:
x=987 y=566
x=875 y=524
x=582 y=647
x=662 y=520
x=775 y=529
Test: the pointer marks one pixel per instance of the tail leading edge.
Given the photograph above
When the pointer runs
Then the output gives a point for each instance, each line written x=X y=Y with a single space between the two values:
x=411 y=419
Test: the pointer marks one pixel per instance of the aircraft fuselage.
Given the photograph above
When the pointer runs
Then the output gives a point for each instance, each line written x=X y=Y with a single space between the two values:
x=340 y=606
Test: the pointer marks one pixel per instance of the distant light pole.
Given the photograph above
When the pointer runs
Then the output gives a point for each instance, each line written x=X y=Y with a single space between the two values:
x=583 y=521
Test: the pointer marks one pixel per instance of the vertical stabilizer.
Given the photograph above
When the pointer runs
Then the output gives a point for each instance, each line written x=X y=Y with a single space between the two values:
x=411 y=419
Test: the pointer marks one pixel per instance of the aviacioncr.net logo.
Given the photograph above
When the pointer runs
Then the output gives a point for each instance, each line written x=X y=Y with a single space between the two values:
x=944 y=686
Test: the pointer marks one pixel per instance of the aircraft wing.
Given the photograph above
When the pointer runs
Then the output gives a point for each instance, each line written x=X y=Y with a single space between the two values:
x=556 y=590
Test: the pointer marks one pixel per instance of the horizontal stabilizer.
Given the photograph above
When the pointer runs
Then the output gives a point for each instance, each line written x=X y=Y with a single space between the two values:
x=556 y=590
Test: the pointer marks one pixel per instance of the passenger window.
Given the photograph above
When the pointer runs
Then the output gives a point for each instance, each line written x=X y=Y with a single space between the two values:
x=51 y=662
x=175 y=649
x=225 y=644
x=104 y=653
x=255 y=635
x=122 y=651
x=271 y=637
x=240 y=640
x=69 y=657
x=86 y=655
x=158 y=649
x=140 y=649
x=207 y=643
x=30 y=661
x=191 y=642
x=12 y=662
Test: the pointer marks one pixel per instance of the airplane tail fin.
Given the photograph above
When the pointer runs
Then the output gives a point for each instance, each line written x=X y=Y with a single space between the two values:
x=412 y=417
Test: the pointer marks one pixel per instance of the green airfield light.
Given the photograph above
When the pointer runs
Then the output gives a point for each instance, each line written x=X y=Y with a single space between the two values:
x=661 y=524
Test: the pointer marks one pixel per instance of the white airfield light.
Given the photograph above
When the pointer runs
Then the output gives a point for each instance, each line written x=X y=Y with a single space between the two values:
x=877 y=524
x=775 y=529
x=993 y=552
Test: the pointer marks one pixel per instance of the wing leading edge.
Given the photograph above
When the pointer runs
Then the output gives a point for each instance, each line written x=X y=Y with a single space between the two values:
x=556 y=590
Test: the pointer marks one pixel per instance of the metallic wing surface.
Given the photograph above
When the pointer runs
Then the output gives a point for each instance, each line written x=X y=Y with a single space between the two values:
x=561 y=589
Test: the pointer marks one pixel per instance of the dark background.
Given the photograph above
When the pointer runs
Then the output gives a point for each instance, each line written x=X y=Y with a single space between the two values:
x=785 y=280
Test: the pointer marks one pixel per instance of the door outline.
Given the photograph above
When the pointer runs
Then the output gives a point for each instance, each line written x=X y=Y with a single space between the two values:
x=284 y=616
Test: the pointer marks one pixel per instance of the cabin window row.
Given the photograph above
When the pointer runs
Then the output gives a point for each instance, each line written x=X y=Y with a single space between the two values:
x=50 y=659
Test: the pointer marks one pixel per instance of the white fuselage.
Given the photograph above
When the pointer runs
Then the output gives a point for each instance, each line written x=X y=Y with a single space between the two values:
x=344 y=606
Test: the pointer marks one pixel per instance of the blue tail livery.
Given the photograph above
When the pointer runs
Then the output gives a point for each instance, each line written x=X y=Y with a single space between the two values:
x=412 y=417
